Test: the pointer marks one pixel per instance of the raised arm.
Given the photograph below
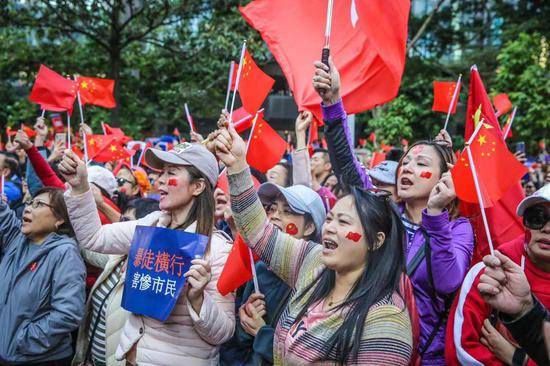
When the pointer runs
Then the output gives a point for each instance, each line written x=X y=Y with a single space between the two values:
x=301 y=172
x=342 y=157
x=282 y=252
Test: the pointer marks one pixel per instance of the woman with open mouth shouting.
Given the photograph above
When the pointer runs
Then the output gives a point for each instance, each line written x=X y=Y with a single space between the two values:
x=345 y=305
x=202 y=319
x=440 y=243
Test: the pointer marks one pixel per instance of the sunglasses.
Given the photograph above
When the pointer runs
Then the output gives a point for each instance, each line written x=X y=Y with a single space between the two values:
x=535 y=218
x=121 y=181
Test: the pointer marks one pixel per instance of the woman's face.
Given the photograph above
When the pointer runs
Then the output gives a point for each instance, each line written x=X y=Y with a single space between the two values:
x=175 y=188
x=127 y=182
x=281 y=215
x=331 y=182
x=277 y=175
x=419 y=173
x=539 y=244
x=38 y=219
x=343 y=239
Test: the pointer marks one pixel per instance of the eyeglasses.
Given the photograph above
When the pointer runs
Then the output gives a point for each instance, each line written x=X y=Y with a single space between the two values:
x=121 y=181
x=273 y=207
x=36 y=204
x=535 y=218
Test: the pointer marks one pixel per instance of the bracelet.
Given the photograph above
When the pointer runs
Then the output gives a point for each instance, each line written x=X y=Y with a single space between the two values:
x=519 y=357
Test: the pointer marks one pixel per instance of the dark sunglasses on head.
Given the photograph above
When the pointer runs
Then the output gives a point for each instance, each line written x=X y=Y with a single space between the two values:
x=535 y=217
x=380 y=193
x=121 y=181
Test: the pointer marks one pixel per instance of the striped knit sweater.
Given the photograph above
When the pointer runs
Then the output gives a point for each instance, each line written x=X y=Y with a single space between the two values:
x=387 y=335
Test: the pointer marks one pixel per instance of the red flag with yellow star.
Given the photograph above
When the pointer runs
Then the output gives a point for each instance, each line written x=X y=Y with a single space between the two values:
x=265 y=147
x=104 y=148
x=96 y=91
x=52 y=91
x=479 y=102
x=443 y=96
x=497 y=169
x=254 y=85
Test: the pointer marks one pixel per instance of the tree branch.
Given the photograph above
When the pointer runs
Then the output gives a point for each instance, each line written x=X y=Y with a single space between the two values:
x=424 y=25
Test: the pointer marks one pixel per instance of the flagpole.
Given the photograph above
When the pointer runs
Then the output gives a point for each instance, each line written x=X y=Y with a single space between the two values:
x=328 y=26
x=254 y=277
x=43 y=113
x=103 y=128
x=191 y=124
x=141 y=155
x=509 y=126
x=68 y=130
x=480 y=199
x=79 y=104
x=85 y=147
x=231 y=67
x=457 y=88
x=239 y=70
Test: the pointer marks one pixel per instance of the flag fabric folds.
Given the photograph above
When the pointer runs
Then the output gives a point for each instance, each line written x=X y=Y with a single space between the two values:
x=265 y=147
x=367 y=46
x=53 y=91
x=497 y=169
x=502 y=103
x=242 y=120
x=96 y=91
x=105 y=148
x=443 y=96
x=254 y=85
x=117 y=132
x=237 y=270
x=479 y=102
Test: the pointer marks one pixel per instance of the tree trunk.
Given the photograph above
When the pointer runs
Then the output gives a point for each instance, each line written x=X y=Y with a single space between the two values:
x=115 y=61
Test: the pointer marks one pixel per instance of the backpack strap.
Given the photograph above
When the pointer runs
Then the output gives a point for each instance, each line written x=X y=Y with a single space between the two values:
x=412 y=266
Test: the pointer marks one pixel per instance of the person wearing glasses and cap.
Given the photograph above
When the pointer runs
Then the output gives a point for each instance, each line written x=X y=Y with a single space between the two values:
x=298 y=211
x=202 y=319
x=345 y=305
x=489 y=293
x=43 y=278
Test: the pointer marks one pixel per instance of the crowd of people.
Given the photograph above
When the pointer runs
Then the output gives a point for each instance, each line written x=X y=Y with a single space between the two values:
x=356 y=266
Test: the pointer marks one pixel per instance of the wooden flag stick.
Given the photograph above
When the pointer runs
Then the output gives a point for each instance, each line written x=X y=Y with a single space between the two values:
x=239 y=71
x=231 y=67
x=455 y=95
x=68 y=130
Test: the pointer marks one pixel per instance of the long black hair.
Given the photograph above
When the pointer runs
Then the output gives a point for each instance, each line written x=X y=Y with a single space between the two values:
x=384 y=267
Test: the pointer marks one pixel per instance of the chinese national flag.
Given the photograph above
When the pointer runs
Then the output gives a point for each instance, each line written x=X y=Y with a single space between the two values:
x=176 y=132
x=242 y=120
x=376 y=159
x=479 y=100
x=117 y=132
x=113 y=151
x=95 y=144
x=367 y=44
x=96 y=91
x=53 y=90
x=235 y=68
x=372 y=137
x=505 y=127
x=265 y=147
x=502 y=104
x=497 y=169
x=254 y=85
x=237 y=270
x=443 y=95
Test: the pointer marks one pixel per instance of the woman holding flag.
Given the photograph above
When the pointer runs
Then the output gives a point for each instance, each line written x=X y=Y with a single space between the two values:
x=201 y=319
x=439 y=243
x=345 y=305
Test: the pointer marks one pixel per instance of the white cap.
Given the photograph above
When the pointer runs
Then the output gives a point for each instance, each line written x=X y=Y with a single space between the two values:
x=540 y=196
x=103 y=178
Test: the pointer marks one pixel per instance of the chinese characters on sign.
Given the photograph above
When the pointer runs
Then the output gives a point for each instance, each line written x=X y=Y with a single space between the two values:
x=157 y=263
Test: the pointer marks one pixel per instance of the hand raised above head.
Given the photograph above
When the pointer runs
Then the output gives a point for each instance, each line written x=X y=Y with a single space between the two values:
x=230 y=148
x=73 y=169
x=326 y=82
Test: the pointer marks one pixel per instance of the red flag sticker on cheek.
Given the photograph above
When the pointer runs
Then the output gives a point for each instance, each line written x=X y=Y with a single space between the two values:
x=353 y=236
x=291 y=229
x=173 y=182
x=426 y=175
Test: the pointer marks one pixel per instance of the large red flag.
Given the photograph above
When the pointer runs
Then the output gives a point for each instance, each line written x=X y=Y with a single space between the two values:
x=265 y=147
x=367 y=45
x=117 y=132
x=96 y=91
x=478 y=100
x=53 y=90
x=237 y=270
x=503 y=222
x=502 y=103
x=497 y=169
x=443 y=96
x=254 y=85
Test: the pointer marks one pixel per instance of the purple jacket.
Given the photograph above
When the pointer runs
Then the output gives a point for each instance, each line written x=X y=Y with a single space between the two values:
x=451 y=242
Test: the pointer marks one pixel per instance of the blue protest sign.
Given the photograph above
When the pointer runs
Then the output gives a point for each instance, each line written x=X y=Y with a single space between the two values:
x=158 y=259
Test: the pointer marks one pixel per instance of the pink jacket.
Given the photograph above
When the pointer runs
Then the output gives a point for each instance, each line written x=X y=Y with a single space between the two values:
x=185 y=338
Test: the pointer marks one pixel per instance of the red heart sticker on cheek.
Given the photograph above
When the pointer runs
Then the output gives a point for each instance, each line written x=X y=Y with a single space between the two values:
x=353 y=236
x=291 y=229
x=426 y=175
x=122 y=190
x=173 y=182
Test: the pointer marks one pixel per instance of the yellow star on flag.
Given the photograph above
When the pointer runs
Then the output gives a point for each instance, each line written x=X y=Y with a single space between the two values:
x=112 y=148
x=91 y=142
x=84 y=85
x=482 y=140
